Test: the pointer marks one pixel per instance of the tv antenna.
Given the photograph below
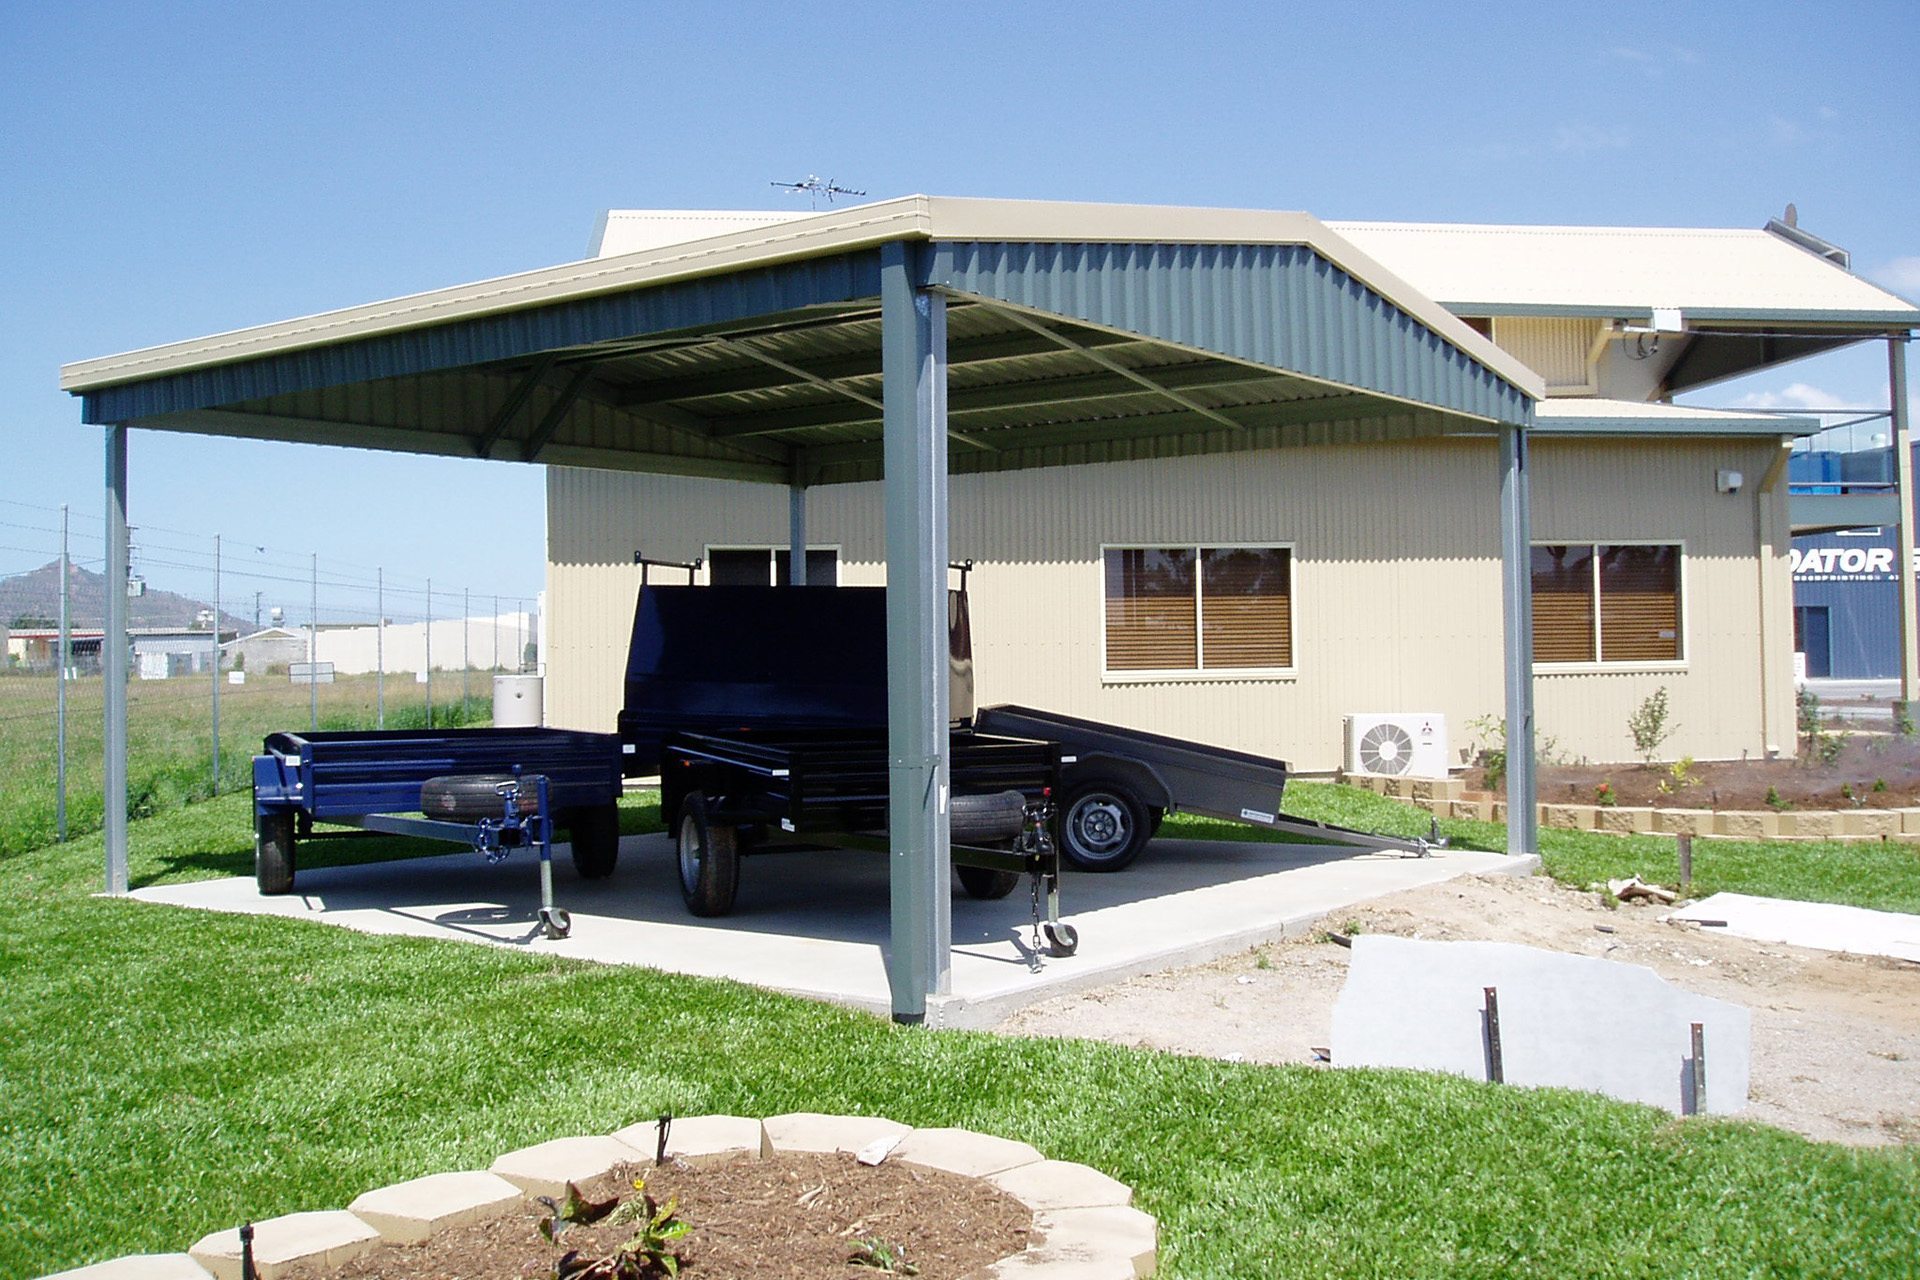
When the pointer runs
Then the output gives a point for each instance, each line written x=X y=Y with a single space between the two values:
x=816 y=186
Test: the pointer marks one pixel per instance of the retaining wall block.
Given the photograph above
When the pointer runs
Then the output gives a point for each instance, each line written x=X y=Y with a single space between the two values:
x=407 y=1212
x=699 y=1140
x=1059 y=1184
x=140 y=1266
x=962 y=1151
x=1392 y=787
x=812 y=1131
x=1814 y=824
x=1748 y=824
x=1113 y=1230
x=546 y=1168
x=1870 y=823
x=1567 y=817
x=1628 y=821
x=1683 y=822
x=324 y=1239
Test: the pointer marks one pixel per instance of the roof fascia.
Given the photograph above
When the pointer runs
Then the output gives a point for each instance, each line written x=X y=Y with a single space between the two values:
x=1867 y=323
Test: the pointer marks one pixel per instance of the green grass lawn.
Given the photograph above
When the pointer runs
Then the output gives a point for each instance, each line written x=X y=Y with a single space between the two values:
x=170 y=740
x=164 y=1073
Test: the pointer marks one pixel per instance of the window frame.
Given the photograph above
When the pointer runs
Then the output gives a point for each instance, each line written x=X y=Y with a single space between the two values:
x=1198 y=672
x=1597 y=665
x=773 y=550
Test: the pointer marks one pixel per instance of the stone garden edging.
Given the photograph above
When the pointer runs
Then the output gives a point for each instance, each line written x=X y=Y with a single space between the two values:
x=1447 y=798
x=1084 y=1224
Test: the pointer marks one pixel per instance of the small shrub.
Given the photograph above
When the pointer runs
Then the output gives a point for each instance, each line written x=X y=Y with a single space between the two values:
x=1603 y=795
x=1828 y=747
x=1903 y=718
x=1649 y=725
x=1879 y=785
x=1776 y=801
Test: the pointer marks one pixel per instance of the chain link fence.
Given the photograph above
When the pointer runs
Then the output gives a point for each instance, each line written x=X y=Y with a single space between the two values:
x=231 y=639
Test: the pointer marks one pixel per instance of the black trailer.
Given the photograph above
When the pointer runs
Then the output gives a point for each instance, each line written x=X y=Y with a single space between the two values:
x=1116 y=784
x=763 y=712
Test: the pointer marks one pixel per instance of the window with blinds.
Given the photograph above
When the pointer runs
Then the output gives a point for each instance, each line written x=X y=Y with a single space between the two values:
x=1594 y=602
x=1199 y=608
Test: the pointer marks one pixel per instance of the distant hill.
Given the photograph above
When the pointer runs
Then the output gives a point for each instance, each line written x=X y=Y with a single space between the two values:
x=35 y=597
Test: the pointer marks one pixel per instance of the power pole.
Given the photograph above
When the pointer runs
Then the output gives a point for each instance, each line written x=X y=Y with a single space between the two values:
x=466 y=646
x=216 y=664
x=313 y=647
x=60 y=694
x=380 y=648
x=429 y=653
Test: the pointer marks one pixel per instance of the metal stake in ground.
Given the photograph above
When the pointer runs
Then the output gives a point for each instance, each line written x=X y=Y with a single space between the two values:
x=1496 y=1070
x=1698 y=1071
x=60 y=688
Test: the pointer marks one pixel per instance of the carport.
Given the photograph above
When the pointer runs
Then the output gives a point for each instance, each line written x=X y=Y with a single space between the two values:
x=901 y=341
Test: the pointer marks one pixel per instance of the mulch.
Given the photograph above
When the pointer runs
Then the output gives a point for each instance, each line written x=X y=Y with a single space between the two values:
x=789 y=1215
x=1865 y=770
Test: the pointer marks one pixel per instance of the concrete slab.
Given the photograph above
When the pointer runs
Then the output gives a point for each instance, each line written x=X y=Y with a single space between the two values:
x=1578 y=1022
x=407 y=1212
x=323 y=1239
x=140 y=1266
x=699 y=1140
x=1821 y=925
x=815 y=924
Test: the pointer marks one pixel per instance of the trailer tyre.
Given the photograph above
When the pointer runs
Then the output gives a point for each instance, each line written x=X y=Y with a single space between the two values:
x=594 y=833
x=987 y=884
x=1103 y=826
x=273 y=852
x=993 y=819
x=709 y=856
x=472 y=796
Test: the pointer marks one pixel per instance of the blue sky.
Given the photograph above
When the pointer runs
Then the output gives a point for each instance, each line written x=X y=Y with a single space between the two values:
x=168 y=171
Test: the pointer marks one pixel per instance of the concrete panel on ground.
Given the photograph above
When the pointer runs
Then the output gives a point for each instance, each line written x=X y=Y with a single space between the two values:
x=1574 y=1021
x=1823 y=926
x=815 y=923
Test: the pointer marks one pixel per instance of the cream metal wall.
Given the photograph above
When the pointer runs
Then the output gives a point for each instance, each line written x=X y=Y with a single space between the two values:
x=1396 y=583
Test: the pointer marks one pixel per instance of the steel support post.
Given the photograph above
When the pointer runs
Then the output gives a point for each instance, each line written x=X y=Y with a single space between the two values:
x=113 y=665
x=796 y=535
x=913 y=344
x=1516 y=597
x=1903 y=462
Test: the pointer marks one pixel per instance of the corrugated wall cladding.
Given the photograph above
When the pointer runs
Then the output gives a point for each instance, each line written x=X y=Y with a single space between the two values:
x=1396 y=583
x=1278 y=305
x=1555 y=347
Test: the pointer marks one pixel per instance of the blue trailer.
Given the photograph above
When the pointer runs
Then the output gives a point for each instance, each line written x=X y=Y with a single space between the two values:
x=496 y=789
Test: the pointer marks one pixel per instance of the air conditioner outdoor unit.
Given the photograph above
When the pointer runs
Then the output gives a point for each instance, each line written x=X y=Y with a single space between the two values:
x=1397 y=744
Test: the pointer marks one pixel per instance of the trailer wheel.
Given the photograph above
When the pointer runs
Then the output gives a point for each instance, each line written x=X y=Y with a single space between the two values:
x=470 y=797
x=1103 y=826
x=594 y=833
x=993 y=819
x=273 y=851
x=987 y=884
x=709 y=860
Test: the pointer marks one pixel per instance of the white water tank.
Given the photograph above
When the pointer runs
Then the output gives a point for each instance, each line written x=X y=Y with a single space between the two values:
x=519 y=702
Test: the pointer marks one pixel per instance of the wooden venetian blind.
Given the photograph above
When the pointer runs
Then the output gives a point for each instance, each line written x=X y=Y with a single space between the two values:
x=1246 y=607
x=1639 y=604
x=1563 y=604
x=1151 y=622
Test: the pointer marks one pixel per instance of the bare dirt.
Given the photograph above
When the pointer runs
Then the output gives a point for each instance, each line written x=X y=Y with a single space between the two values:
x=1836 y=1038
x=788 y=1215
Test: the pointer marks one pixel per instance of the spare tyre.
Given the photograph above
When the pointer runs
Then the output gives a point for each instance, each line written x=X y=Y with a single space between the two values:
x=469 y=797
x=989 y=819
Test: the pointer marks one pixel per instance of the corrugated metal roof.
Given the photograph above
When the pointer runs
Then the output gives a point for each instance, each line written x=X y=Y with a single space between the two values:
x=1586 y=416
x=1075 y=333
x=1625 y=271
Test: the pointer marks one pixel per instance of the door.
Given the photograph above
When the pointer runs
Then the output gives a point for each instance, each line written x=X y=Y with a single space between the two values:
x=1812 y=636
